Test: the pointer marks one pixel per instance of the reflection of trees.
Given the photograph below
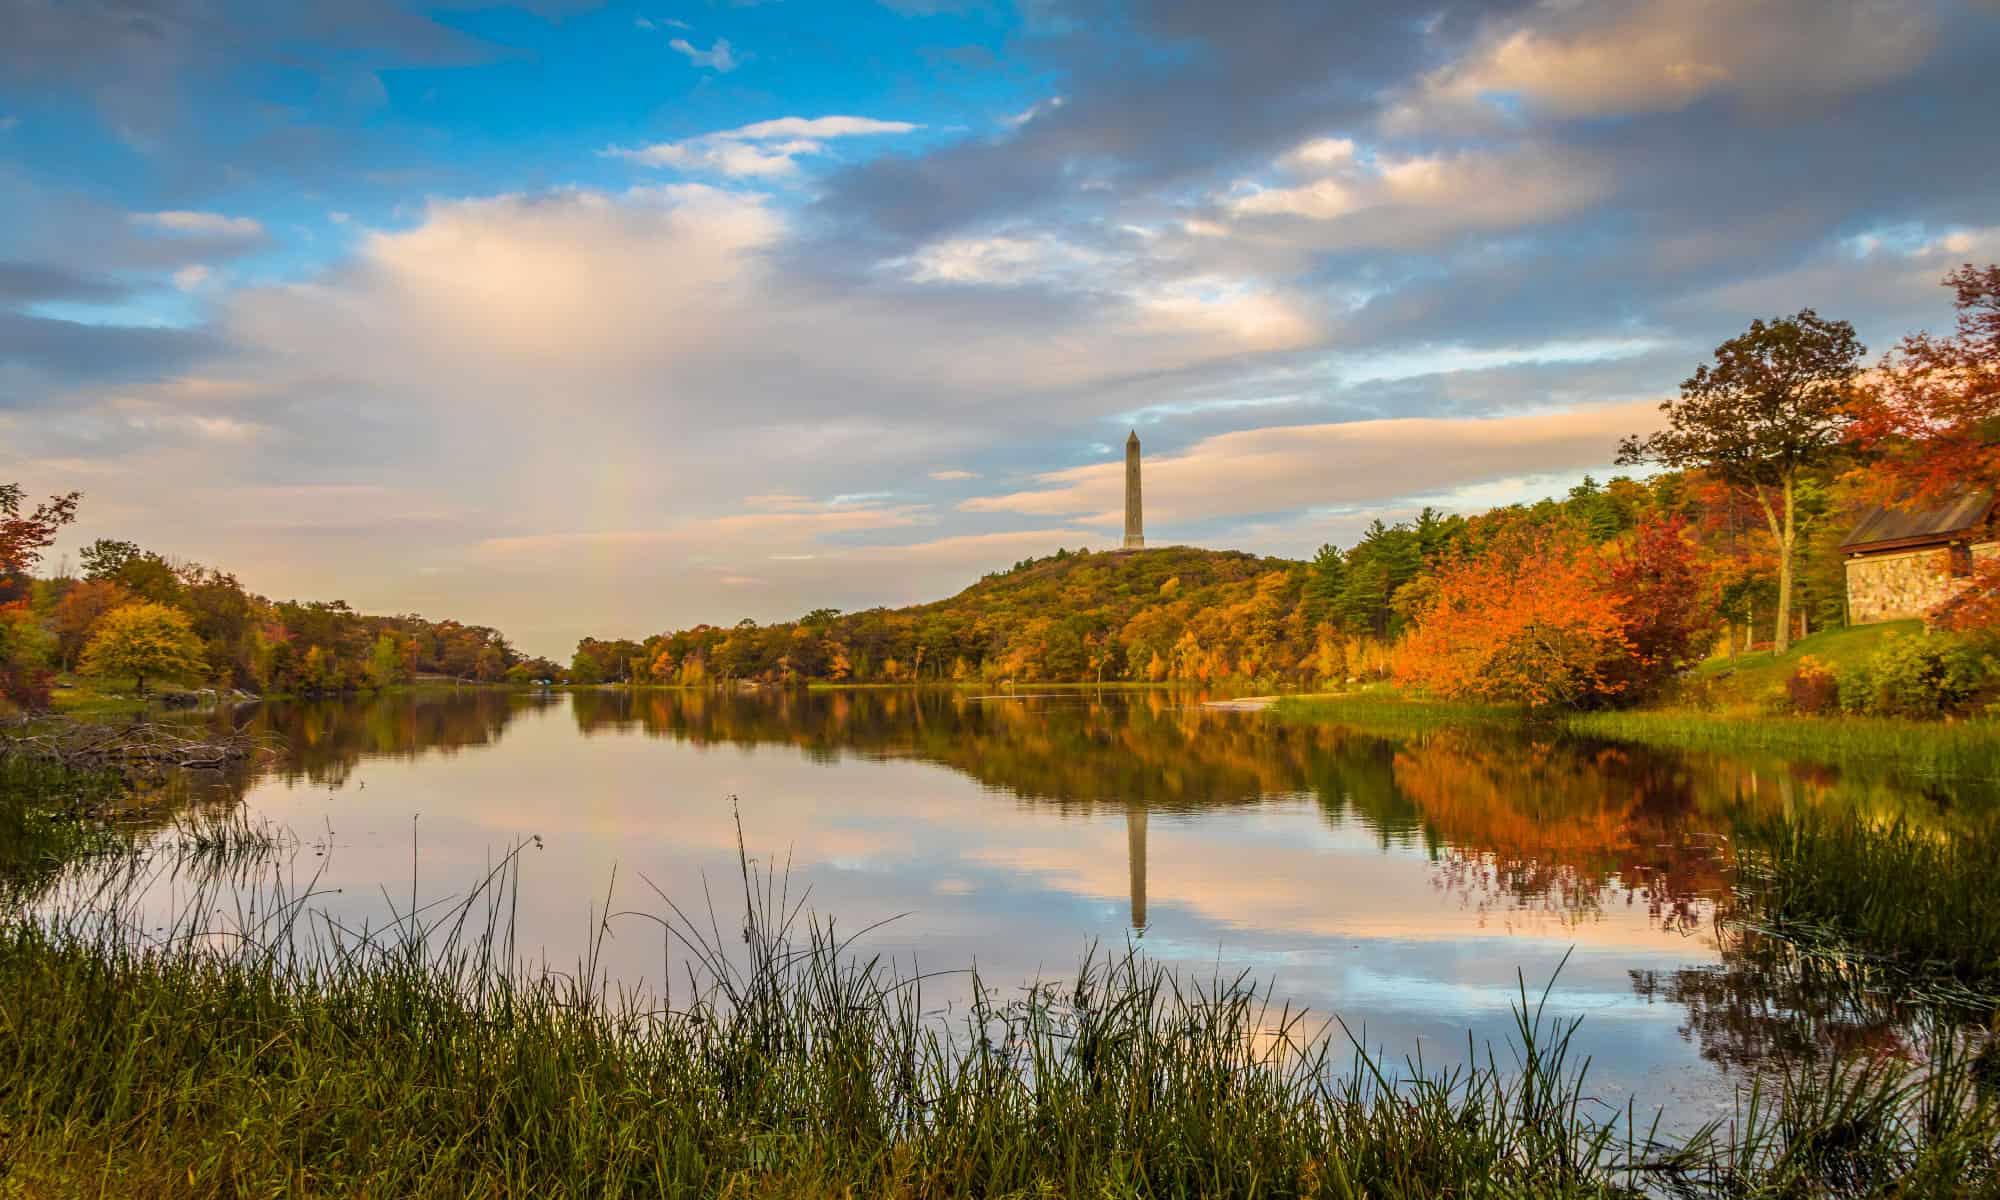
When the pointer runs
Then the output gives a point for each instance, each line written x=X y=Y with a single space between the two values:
x=1766 y=1002
x=1515 y=821
x=1075 y=751
x=1561 y=824
x=323 y=739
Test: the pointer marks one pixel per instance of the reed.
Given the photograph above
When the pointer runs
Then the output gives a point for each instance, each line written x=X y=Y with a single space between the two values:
x=1918 y=909
x=1961 y=751
x=284 y=1053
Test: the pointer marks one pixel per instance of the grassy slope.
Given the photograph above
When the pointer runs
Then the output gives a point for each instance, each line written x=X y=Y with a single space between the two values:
x=1752 y=679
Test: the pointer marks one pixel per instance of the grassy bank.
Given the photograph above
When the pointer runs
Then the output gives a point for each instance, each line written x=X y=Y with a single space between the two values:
x=415 y=1065
x=1964 y=751
x=1967 y=751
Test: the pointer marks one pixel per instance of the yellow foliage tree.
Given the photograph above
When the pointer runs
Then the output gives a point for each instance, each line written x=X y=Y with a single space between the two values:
x=143 y=640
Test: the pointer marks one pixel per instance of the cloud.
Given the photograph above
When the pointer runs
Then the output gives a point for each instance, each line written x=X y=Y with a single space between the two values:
x=202 y=224
x=656 y=23
x=718 y=58
x=1337 y=199
x=8 y=122
x=32 y=282
x=1659 y=55
x=953 y=475
x=1357 y=463
x=766 y=149
x=193 y=278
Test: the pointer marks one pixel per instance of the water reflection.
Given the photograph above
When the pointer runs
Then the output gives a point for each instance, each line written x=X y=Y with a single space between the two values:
x=1400 y=881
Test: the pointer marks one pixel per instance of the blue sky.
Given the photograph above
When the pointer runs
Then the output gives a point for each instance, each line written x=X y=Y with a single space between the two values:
x=572 y=317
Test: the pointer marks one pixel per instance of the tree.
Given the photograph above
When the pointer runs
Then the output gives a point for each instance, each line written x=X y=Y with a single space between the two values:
x=106 y=557
x=142 y=640
x=1932 y=416
x=1530 y=618
x=1660 y=589
x=76 y=615
x=1772 y=405
x=385 y=662
x=24 y=537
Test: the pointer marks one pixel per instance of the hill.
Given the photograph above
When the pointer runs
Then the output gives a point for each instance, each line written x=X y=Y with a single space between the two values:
x=1176 y=612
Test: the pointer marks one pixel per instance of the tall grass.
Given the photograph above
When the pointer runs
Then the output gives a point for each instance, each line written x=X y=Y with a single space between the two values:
x=1924 y=906
x=50 y=815
x=284 y=1053
x=1963 y=752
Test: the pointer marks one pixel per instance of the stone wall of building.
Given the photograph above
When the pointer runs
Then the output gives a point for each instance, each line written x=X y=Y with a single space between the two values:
x=1903 y=583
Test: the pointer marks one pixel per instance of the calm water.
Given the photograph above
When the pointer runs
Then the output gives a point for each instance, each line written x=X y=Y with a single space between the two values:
x=1401 y=883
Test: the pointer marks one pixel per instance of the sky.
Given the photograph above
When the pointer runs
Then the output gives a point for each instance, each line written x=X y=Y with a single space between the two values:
x=576 y=318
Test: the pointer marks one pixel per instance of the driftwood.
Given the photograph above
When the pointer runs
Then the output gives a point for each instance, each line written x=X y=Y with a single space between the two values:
x=136 y=745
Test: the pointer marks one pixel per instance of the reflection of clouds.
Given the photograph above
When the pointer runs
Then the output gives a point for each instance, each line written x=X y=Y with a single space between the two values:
x=1401 y=885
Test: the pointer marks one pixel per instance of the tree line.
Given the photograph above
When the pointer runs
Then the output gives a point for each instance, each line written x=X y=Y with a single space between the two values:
x=135 y=616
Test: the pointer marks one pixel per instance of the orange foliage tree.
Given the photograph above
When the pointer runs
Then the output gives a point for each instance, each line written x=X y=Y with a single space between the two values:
x=1540 y=615
x=1532 y=618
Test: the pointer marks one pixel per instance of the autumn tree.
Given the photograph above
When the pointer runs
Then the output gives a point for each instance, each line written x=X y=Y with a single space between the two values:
x=75 y=616
x=142 y=640
x=1771 y=406
x=385 y=662
x=1657 y=580
x=1931 y=415
x=23 y=536
x=1530 y=618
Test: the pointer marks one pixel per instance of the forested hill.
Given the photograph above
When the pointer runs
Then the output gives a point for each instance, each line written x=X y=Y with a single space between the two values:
x=1075 y=615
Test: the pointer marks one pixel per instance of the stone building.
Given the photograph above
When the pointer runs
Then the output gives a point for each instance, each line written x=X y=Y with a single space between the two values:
x=1901 y=563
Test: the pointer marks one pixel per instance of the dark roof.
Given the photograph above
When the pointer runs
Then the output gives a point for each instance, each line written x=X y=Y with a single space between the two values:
x=1885 y=527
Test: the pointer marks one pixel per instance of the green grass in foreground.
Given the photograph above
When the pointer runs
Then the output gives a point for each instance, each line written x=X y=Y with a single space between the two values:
x=296 y=1058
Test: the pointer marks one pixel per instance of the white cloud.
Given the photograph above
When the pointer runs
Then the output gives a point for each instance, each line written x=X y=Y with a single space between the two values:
x=655 y=23
x=1343 y=198
x=817 y=127
x=1041 y=108
x=718 y=57
x=953 y=475
x=764 y=150
x=8 y=122
x=201 y=224
x=192 y=278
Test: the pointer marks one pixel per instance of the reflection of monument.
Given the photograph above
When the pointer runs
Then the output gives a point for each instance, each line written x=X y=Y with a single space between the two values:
x=1135 y=854
x=1135 y=528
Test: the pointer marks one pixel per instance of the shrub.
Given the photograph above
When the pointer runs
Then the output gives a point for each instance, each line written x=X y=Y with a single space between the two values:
x=1812 y=689
x=1914 y=677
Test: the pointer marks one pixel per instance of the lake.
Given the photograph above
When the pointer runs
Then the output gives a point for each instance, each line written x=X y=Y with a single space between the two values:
x=1409 y=884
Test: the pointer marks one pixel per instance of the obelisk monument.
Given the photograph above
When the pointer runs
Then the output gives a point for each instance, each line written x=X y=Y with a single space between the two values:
x=1135 y=526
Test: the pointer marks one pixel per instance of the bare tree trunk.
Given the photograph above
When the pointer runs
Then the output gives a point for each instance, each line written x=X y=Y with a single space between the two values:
x=1786 y=542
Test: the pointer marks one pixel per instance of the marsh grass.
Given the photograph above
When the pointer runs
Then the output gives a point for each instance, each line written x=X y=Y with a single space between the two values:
x=281 y=1052
x=50 y=816
x=1966 y=752
x=1389 y=712
x=1911 y=909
